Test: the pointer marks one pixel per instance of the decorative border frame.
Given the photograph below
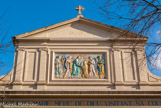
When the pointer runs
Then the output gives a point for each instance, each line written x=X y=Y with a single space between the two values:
x=53 y=80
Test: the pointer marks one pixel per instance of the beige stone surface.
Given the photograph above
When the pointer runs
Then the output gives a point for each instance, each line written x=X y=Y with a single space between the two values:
x=82 y=107
x=34 y=68
x=127 y=83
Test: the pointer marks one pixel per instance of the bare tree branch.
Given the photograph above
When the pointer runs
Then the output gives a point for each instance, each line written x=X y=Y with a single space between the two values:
x=139 y=16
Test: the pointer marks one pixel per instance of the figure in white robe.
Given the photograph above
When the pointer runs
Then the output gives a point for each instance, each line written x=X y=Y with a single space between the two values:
x=59 y=67
x=91 y=67
x=68 y=65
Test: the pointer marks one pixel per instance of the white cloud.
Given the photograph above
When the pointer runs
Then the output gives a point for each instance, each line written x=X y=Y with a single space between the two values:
x=156 y=61
x=159 y=34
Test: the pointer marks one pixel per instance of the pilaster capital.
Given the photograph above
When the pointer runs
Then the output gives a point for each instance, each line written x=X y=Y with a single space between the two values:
x=115 y=49
x=20 y=49
x=138 y=49
x=43 y=49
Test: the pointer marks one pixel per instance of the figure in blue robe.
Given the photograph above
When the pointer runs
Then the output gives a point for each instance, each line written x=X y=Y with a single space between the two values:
x=76 y=70
x=100 y=67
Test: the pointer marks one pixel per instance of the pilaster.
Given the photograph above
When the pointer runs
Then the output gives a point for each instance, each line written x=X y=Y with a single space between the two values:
x=42 y=64
x=19 y=65
x=141 y=66
x=117 y=67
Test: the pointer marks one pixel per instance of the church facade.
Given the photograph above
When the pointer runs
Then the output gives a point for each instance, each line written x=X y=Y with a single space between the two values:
x=80 y=63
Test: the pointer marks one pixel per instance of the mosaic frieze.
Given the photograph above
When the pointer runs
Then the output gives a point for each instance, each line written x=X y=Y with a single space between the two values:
x=80 y=66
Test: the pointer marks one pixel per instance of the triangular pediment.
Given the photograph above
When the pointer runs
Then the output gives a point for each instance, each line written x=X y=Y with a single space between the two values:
x=77 y=28
x=74 y=31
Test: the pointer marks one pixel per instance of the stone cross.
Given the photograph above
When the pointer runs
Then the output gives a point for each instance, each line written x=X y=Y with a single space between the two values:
x=79 y=8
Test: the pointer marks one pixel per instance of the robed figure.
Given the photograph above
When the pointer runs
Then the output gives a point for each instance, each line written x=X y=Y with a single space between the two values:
x=76 y=70
x=100 y=67
x=59 y=67
x=68 y=65
x=85 y=69
x=91 y=64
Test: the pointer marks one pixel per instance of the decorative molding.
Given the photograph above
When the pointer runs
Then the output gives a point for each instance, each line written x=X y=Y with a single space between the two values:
x=138 y=49
x=133 y=52
x=116 y=49
x=43 y=49
x=20 y=49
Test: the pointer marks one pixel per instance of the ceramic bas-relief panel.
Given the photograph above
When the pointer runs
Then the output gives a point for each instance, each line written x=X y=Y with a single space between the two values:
x=84 y=66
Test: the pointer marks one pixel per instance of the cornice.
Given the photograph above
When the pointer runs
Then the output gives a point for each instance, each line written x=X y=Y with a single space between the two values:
x=81 y=39
x=86 y=20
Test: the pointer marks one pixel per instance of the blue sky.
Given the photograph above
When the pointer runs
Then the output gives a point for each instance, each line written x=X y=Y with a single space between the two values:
x=27 y=15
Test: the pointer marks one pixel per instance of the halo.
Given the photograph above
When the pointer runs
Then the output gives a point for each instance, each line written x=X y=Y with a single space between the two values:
x=99 y=56
x=90 y=56
x=84 y=60
x=58 y=56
